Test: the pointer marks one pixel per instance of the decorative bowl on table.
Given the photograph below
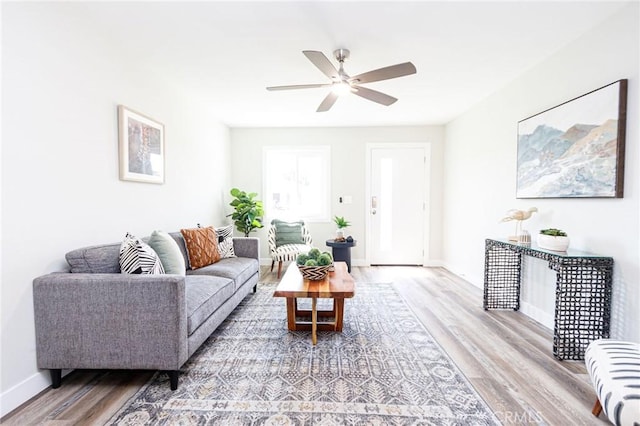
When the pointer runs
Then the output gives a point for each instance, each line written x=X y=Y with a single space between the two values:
x=314 y=265
x=314 y=273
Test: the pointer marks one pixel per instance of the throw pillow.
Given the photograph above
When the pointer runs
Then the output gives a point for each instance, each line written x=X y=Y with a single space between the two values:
x=202 y=246
x=225 y=241
x=168 y=251
x=137 y=257
x=288 y=232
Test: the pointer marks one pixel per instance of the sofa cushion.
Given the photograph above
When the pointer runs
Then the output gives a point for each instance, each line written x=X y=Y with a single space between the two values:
x=204 y=295
x=202 y=246
x=100 y=259
x=238 y=269
x=168 y=251
x=225 y=241
x=137 y=257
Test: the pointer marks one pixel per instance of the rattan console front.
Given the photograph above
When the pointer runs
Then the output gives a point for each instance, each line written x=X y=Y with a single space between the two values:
x=583 y=291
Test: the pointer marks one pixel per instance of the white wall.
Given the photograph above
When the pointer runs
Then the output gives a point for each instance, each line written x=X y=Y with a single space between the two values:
x=62 y=81
x=348 y=173
x=480 y=170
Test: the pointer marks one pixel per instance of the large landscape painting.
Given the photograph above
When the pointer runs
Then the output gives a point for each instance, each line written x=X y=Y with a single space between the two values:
x=575 y=149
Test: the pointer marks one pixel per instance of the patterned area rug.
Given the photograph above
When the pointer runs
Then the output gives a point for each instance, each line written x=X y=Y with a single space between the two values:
x=383 y=369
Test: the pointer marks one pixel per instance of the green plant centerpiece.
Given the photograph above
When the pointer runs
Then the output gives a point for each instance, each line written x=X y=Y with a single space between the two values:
x=248 y=211
x=341 y=223
x=553 y=232
x=314 y=265
x=553 y=239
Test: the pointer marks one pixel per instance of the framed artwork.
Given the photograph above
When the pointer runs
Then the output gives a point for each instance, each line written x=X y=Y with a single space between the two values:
x=575 y=149
x=141 y=147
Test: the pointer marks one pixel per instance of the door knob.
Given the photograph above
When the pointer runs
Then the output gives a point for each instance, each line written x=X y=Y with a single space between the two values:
x=373 y=211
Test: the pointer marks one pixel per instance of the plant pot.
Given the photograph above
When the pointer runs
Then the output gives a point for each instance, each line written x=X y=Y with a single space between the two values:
x=553 y=243
x=340 y=233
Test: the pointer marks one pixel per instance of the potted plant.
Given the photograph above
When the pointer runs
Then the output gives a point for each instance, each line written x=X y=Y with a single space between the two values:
x=248 y=211
x=553 y=239
x=341 y=223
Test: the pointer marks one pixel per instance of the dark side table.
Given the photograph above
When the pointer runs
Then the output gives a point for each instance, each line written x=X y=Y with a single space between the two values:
x=341 y=251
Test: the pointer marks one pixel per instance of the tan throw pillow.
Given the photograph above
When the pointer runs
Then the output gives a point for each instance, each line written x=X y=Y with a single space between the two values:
x=202 y=246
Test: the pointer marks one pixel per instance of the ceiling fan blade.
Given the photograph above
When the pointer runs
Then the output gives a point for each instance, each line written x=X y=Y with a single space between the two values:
x=328 y=102
x=393 y=71
x=374 y=95
x=298 y=86
x=322 y=63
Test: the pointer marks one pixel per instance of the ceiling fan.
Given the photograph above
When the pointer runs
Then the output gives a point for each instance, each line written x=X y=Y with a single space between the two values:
x=342 y=83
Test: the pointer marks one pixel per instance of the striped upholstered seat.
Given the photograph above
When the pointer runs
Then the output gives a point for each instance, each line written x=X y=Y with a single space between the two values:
x=614 y=368
x=287 y=252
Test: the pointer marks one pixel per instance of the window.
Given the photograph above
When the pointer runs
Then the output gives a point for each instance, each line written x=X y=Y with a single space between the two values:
x=296 y=183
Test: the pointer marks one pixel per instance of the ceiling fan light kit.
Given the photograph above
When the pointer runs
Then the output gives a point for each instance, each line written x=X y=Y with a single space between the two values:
x=342 y=83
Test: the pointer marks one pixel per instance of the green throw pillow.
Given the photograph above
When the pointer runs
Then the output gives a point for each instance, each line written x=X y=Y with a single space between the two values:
x=168 y=252
x=288 y=232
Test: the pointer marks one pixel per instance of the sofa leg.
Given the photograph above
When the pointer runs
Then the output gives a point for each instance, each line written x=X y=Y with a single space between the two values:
x=597 y=408
x=56 y=377
x=173 y=379
x=279 y=268
x=272 y=263
x=255 y=288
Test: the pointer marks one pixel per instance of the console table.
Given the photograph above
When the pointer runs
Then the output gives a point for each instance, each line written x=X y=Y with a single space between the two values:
x=583 y=291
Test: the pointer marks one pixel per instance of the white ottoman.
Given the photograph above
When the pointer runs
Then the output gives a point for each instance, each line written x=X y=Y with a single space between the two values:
x=614 y=368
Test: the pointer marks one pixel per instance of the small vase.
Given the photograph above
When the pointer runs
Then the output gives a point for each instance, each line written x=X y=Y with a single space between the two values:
x=339 y=233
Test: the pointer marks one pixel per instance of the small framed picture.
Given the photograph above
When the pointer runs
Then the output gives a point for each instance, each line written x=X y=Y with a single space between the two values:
x=141 y=147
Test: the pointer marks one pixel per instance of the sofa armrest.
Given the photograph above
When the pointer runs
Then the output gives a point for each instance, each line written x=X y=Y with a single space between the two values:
x=247 y=247
x=118 y=321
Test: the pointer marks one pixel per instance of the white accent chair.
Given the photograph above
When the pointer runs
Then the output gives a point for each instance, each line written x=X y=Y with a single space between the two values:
x=287 y=252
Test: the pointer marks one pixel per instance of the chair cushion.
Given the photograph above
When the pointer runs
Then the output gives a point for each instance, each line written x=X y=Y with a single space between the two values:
x=289 y=252
x=614 y=368
x=238 y=269
x=204 y=295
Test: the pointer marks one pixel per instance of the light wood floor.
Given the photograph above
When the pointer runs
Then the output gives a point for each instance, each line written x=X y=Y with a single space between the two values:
x=506 y=357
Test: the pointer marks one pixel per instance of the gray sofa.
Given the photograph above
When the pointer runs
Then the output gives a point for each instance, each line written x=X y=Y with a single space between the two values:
x=94 y=317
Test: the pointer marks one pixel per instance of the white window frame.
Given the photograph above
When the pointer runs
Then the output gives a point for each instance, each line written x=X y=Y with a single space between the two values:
x=323 y=212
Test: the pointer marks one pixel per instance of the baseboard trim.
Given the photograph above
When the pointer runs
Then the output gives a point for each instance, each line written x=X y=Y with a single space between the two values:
x=537 y=314
x=17 y=395
x=476 y=281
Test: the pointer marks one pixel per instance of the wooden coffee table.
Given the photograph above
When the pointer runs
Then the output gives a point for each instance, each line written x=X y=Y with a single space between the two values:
x=337 y=285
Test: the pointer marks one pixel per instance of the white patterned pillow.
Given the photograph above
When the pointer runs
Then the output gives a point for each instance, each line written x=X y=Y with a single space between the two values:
x=137 y=257
x=225 y=241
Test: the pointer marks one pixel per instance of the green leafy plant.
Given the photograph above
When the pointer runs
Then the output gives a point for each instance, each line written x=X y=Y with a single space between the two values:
x=315 y=257
x=248 y=211
x=553 y=232
x=341 y=222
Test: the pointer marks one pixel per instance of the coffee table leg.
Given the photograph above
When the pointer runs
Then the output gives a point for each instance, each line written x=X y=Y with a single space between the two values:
x=338 y=306
x=314 y=320
x=291 y=313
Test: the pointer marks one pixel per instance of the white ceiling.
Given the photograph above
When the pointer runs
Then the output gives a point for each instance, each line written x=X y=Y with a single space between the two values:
x=228 y=52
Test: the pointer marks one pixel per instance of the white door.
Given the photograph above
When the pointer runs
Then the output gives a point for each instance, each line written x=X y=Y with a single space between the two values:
x=397 y=207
